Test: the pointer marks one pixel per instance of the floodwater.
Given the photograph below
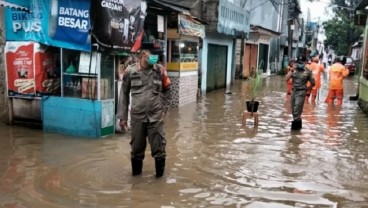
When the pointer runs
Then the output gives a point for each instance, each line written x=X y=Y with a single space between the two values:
x=212 y=161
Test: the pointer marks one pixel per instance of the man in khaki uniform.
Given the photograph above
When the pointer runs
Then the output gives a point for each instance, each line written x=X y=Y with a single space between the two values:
x=301 y=75
x=150 y=91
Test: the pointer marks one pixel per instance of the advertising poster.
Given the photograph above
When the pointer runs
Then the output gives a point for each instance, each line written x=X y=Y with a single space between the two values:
x=61 y=23
x=70 y=21
x=119 y=23
x=19 y=69
x=187 y=26
x=47 y=70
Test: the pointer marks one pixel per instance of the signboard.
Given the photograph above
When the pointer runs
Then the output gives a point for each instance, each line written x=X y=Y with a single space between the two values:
x=47 y=70
x=188 y=27
x=69 y=21
x=232 y=19
x=119 y=24
x=31 y=69
x=62 y=23
x=19 y=68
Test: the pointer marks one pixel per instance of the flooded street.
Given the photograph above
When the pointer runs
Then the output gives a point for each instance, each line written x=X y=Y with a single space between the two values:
x=212 y=161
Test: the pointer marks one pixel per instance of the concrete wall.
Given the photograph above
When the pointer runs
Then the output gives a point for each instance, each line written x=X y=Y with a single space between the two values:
x=3 y=98
x=263 y=14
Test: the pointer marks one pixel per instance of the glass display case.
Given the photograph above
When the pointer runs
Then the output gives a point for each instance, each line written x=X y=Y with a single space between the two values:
x=182 y=53
x=81 y=72
x=86 y=106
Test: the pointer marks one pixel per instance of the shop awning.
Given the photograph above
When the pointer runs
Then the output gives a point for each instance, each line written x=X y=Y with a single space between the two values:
x=187 y=23
x=174 y=7
x=361 y=13
x=13 y=6
x=264 y=31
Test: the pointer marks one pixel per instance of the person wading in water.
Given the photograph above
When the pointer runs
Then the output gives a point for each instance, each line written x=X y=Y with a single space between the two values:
x=301 y=75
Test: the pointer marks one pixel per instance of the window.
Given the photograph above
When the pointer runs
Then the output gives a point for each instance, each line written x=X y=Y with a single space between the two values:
x=188 y=51
x=349 y=60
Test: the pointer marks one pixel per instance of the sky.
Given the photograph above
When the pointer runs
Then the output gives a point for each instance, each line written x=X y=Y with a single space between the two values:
x=319 y=10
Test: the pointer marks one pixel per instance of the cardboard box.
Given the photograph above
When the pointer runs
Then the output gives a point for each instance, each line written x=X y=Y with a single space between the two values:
x=89 y=88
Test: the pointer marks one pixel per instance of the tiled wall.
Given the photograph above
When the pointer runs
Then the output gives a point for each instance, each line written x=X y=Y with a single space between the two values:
x=184 y=90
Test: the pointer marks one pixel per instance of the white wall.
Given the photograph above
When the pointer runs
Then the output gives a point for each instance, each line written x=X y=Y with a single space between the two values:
x=217 y=40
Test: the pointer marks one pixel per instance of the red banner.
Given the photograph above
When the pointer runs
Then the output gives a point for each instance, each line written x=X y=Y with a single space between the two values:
x=47 y=76
x=31 y=69
x=19 y=67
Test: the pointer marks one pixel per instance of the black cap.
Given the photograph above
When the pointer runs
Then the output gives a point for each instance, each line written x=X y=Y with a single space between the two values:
x=337 y=59
x=301 y=59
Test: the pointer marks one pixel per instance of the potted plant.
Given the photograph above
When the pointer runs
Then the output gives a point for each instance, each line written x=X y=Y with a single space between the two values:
x=256 y=87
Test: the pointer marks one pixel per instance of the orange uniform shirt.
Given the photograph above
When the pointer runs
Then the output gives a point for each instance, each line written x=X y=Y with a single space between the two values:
x=337 y=74
x=317 y=70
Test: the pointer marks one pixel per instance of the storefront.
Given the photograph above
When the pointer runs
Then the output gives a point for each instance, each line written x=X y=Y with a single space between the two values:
x=61 y=75
x=175 y=35
x=182 y=60
x=218 y=52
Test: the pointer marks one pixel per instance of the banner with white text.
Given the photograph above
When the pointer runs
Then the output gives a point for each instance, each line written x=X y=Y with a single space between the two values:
x=61 y=23
x=119 y=23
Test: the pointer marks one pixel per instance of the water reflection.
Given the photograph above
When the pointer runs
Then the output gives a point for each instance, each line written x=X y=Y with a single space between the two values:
x=212 y=160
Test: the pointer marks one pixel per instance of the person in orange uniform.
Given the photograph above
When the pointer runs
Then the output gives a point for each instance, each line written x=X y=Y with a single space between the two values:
x=289 y=83
x=317 y=69
x=337 y=74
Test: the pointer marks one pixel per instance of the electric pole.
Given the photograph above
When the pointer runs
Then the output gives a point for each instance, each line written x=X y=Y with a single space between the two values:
x=290 y=38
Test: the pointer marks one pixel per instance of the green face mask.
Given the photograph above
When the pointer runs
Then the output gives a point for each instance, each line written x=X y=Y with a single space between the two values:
x=152 y=59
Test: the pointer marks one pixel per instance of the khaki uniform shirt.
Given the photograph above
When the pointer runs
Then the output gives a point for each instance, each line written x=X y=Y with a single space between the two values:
x=150 y=94
x=300 y=78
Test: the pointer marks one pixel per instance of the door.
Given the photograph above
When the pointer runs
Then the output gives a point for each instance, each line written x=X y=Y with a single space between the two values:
x=216 y=67
x=250 y=59
x=263 y=57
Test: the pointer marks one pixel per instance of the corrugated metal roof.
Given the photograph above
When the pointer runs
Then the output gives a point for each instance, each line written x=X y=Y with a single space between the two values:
x=184 y=3
x=362 y=5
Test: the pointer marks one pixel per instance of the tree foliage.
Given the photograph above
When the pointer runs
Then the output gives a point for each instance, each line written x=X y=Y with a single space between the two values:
x=340 y=31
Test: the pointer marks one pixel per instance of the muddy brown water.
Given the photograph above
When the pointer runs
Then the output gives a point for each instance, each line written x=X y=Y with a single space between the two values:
x=212 y=161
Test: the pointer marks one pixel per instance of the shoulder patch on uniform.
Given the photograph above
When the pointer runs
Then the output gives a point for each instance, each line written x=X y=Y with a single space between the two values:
x=132 y=69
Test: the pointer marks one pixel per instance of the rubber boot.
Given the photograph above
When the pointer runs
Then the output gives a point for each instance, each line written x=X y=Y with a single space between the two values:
x=293 y=125
x=160 y=167
x=296 y=125
x=136 y=166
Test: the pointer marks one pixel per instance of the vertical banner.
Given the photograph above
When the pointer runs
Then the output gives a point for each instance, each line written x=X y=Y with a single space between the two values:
x=19 y=69
x=31 y=69
x=119 y=24
x=61 y=23
x=47 y=70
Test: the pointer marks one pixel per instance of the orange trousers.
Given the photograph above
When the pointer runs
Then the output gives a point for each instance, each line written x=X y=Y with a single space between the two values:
x=332 y=94
x=314 y=94
x=289 y=87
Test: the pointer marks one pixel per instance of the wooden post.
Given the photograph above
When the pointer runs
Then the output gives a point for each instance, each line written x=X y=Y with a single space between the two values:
x=11 y=111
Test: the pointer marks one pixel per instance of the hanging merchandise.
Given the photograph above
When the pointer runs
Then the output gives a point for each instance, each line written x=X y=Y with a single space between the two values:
x=118 y=24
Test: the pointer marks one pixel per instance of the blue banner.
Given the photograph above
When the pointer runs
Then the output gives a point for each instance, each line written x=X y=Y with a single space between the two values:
x=60 y=23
